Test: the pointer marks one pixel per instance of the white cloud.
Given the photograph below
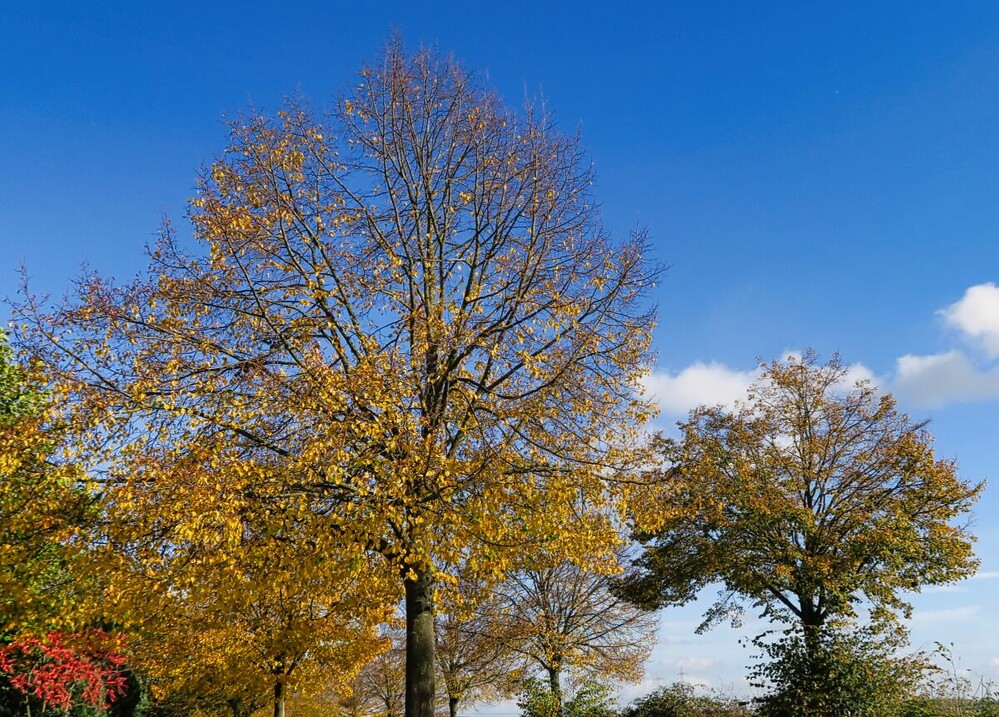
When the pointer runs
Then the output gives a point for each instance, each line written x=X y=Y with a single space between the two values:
x=960 y=587
x=948 y=589
x=856 y=373
x=926 y=381
x=699 y=384
x=977 y=316
x=941 y=378
x=714 y=384
x=953 y=376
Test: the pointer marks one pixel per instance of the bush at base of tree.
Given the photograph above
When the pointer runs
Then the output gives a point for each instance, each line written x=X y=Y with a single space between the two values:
x=681 y=700
x=589 y=699
x=852 y=672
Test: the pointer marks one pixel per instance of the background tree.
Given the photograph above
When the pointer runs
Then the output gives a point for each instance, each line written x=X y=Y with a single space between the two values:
x=807 y=499
x=563 y=618
x=590 y=698
x=476 y=655
x=42 y=501
x=683 y=700
x=383 y=682
x=411 y=307
x=361 y=701
x=50 y=658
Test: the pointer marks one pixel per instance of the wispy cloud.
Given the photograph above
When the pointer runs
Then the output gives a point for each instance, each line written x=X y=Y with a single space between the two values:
x=948 y=614
x=691 y=664
x=949 y=588
x=944 y=378
x=959 y=587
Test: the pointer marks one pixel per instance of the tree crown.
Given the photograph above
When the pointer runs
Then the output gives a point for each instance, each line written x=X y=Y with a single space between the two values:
x=807 y=498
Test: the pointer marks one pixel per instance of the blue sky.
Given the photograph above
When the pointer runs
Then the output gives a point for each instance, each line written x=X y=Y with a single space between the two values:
x=816 y=175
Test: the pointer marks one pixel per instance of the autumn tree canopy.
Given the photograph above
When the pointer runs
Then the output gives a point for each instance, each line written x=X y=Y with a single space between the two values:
x=405 y=313
x=806 y=499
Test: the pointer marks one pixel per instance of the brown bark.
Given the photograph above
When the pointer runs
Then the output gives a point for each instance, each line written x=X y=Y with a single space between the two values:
x=420 y=687
x=811 y=622
x=278 y=698
x=555 y=683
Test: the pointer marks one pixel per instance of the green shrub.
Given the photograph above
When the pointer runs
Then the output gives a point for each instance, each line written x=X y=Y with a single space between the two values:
x=681 y=700
x=925 y=706
x=987 y=706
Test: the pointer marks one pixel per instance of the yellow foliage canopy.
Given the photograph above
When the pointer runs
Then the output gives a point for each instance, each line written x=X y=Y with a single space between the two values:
x=404 y=319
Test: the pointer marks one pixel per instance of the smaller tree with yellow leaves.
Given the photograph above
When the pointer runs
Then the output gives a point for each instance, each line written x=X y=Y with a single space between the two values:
x=477 y=659
x=233 y=601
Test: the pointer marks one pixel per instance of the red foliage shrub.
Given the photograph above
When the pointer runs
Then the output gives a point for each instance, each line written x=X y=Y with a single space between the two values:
x=63 y=670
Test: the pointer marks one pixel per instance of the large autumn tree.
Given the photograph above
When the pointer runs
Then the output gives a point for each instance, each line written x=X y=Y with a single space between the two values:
x=408 y=309
x=807 y=499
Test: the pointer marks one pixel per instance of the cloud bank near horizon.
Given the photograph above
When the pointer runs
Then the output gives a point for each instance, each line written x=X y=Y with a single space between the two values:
x=922 y=380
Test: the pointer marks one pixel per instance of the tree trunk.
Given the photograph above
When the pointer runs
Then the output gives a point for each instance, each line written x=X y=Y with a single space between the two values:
x=555 y=683
x=420 y=688
x=452 y=705
x=811 y=625
x=817 y=666
x=279 y=698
